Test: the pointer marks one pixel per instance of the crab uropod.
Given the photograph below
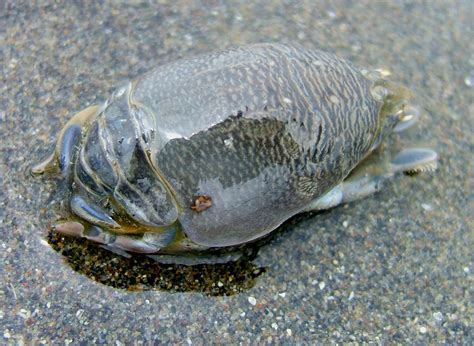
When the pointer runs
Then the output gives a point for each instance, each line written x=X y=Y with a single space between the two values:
x=220 y=149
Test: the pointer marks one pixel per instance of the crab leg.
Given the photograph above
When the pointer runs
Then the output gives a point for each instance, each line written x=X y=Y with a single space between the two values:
x=410 y=116
x=368 y=179
x=91 y=212
x=147 y=243
x=69 y=140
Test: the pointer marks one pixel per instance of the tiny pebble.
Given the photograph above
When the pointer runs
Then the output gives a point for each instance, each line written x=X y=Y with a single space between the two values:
x=79 y=313
x=289 y=332
x=331 y=14
x=345 y=224
x=322 y=284
x=466 y=270
x=220 y=284
x=469 y=81
x=423 y=330
x=274 y=326
x=6 y=334
x=438 y=316
x=13 y=63
x=252 y=301
x=427 y=207
x=282 y=294
x=453 y=317
x=24 y=313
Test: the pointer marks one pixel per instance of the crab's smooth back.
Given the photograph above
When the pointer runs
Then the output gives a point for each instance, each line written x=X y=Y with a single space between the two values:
x=262 y=130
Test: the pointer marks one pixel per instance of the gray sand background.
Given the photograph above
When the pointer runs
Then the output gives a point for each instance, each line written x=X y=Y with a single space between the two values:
x=395 y=267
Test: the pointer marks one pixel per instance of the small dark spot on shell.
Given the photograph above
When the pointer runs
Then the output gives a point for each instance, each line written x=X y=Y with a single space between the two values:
x=239 y=113
x=201 y=203
x=320 y=130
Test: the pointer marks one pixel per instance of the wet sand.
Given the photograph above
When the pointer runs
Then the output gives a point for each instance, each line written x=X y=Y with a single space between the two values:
x=395 y=267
